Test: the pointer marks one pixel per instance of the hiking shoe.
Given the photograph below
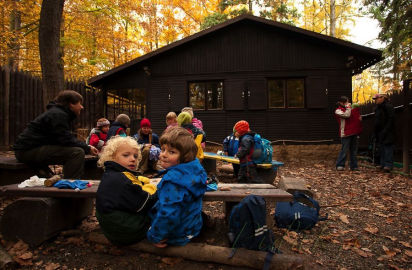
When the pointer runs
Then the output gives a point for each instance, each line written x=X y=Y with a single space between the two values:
x=379 y=168
x=340 y=168
x=387 y=169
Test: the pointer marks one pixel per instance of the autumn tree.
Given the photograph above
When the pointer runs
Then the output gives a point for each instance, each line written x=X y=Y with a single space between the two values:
x=395 y=20
x=49 y=47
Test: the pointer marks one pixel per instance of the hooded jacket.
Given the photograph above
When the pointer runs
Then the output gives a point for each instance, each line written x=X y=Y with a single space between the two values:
x=53 y=127
x=116 y=128
x=176 y=216
x=231 y=144
x=121 y=190
x=246 y=148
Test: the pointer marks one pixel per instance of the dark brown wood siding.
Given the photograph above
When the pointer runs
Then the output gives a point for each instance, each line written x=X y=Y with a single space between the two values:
x=245 y=56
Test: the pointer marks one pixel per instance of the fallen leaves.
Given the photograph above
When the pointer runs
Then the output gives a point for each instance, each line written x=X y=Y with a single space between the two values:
x=363 y=253
x=372 y=230
x=344 y=218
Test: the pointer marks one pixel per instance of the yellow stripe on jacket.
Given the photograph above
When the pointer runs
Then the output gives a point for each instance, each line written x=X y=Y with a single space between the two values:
x=142 y=181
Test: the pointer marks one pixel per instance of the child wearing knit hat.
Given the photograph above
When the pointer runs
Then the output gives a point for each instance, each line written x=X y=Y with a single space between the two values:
x=98 y=135
x=150 y=147
x=184 y=120
x=247 y=171
x=195 y=121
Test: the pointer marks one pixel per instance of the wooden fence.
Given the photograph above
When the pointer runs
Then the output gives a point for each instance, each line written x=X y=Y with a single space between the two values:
x=21 y=101
x=402 y=103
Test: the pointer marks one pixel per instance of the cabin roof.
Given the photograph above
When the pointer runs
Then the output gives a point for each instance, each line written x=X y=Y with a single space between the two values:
x=372 y=55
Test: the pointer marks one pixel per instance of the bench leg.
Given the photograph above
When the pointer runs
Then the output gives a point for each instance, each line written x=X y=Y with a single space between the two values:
x=35 y=220
x=209 y=165
x=267 y=175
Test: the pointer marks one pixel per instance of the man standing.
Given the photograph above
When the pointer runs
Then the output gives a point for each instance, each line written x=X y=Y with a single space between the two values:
x=384 y=131
x=350 y=127
x=48 y=139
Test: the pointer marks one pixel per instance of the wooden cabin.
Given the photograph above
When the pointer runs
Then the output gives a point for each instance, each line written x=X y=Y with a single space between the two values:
x=283 y=80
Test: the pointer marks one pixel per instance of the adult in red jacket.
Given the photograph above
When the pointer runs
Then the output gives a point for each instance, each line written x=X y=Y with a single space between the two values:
x=350 y=127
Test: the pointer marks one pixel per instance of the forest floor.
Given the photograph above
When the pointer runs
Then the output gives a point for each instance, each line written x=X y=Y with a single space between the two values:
x=369 y=227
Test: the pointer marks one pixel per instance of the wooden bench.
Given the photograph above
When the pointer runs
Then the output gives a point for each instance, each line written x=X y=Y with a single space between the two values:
x=13 y=171
x=266 y=171
x=47 y=210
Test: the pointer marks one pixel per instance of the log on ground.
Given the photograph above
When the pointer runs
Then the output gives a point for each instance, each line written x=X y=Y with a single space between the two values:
x=208 y=253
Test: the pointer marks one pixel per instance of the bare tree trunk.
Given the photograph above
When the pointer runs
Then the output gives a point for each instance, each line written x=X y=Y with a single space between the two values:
x=332 y=18
x=14 y=46
x=49 y=46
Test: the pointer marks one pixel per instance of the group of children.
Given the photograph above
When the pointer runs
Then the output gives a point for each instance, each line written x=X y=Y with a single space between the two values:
x=129 y=207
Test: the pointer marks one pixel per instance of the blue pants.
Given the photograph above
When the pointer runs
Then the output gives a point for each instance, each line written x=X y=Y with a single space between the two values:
x=386 y=155
x=348 y=143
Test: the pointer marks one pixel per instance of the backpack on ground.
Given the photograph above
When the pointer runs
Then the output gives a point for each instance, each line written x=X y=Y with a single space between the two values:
x=297 y=216
x=263 y=150
x=247 y=225
x=248 y=229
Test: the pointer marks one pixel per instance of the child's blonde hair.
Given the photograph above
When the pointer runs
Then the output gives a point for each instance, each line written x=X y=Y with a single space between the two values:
x=182 y=140
x=170 y=116
x=111 y=147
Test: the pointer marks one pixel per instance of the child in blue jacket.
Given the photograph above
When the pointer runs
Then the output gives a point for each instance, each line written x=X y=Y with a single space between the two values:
x=230 y=147
x=176 y=216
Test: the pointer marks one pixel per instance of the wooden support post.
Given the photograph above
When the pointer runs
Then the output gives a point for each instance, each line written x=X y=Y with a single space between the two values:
x=35 y=220
x=405 y=125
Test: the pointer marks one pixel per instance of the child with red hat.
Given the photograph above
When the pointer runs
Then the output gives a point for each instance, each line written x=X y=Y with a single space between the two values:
x=150 y=147
x=247 y=172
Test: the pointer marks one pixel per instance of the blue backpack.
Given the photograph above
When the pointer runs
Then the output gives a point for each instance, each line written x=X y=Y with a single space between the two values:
x=248 y=229
x=263 y=150
x=247 y=225
x=296 y=215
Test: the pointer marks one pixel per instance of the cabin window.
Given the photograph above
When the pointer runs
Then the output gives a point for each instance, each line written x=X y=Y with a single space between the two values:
x=206 y=95
x=286 y=93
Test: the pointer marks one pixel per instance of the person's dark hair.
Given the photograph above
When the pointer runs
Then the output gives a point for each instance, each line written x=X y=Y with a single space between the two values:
x=67 y=97
x=182 y=140
x=343 y=99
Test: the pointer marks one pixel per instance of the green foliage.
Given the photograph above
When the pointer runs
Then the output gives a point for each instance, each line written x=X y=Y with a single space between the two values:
x=395 y=19
x=213 y=19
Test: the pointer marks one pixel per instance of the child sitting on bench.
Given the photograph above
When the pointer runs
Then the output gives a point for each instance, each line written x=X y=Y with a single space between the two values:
x=230 y=147
x=98 y=135
x=123 y=197
x=247 y=171
x=176 y=216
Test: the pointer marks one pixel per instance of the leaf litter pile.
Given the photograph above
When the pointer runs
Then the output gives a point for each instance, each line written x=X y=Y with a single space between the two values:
x=369 y=227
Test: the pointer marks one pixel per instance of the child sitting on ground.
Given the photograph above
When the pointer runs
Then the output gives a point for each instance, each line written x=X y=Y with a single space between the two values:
x=230 y=147
x=171 y=120
x=123 y=197
x=176 y=216
x=98 y=135
x=247 y=170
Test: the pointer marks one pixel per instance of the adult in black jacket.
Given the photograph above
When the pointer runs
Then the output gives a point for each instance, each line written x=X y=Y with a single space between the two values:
x=384 y=131
x=48 y=139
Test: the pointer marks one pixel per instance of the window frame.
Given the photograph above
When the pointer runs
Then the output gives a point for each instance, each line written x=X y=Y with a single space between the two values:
x=206 y=95
x=285 y=92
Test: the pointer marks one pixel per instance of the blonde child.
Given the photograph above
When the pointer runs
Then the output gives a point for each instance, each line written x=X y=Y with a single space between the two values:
x=176 y=216
x=171 y=120
x=123 y=197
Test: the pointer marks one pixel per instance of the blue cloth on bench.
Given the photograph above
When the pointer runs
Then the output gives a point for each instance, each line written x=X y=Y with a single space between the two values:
x=79 y=184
